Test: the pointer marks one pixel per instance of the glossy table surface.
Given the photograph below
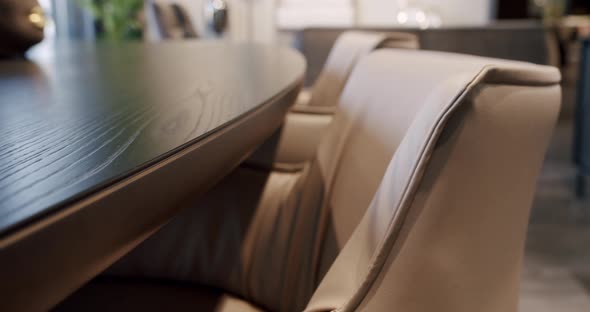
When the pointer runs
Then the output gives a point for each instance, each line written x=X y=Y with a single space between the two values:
x=85 y=116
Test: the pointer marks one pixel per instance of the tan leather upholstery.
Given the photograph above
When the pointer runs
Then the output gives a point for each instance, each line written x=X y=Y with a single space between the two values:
x=417 y=199
x=445 y=229
x=347 y=50
x=294 y=145
x=173 y=21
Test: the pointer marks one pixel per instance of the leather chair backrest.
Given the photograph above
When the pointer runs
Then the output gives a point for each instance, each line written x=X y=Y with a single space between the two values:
x=455 y=142
x=296 y=142
x=347 y=50
x=173 y=21
x=436 y=155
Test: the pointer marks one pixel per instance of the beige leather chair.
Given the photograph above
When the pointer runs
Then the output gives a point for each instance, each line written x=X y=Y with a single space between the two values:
x=417 y=200
x=294 y=145
x=173 y=21
x=347 y=50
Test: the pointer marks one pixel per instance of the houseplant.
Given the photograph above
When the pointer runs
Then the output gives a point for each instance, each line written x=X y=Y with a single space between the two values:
x=116 y=19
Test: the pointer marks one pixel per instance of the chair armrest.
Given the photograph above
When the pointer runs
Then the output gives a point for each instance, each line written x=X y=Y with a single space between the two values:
x=293 y=145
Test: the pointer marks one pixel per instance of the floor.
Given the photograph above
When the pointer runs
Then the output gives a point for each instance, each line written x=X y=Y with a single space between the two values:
x=556 y=275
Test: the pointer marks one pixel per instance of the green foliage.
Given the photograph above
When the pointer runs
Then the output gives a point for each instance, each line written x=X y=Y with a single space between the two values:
x=119 y=18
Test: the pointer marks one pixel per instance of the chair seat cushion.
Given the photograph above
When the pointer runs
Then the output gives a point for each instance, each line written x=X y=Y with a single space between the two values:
x=116 y=294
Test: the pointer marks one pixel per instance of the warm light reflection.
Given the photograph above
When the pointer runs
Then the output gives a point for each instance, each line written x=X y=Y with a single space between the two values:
x=37 y=18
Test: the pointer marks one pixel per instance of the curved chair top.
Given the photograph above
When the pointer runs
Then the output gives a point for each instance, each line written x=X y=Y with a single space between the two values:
x=461 y=139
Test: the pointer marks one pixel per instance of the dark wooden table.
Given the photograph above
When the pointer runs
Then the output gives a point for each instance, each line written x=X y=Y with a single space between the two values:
x=99 y=144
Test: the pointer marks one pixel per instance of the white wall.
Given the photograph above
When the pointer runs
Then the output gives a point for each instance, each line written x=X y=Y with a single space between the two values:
x=255 y=19
x=452 y=12
x=466 y=12
x=376 y=12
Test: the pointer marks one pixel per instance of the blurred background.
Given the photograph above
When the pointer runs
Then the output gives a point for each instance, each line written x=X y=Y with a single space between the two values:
x=554 y=32
x=277 y=20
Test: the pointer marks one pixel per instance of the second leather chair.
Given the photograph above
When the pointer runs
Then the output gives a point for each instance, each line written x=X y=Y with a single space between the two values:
x=294 y=145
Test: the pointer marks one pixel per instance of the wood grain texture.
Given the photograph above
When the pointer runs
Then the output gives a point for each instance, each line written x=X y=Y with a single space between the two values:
x=87 y=116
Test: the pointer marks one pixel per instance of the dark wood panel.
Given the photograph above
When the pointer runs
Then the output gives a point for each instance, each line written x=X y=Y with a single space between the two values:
x=76 y=121
x=521 y=40
x=581 y=148
x=512 y=9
